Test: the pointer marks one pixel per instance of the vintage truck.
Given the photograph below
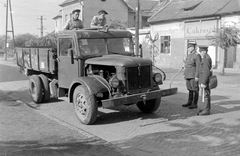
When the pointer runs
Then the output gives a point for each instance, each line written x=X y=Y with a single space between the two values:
x=93 y=68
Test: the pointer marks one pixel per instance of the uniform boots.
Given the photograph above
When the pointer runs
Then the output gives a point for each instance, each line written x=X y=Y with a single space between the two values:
x=190 y=99
x=206 y=110
x=195 y=100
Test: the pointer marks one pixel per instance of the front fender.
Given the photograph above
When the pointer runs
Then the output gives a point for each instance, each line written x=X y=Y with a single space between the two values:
x=94 y=84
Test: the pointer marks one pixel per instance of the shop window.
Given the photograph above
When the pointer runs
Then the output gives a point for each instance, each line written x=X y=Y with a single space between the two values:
x=165 y=44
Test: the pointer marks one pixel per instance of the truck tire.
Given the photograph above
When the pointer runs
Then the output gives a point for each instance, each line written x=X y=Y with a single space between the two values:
x=85 y=105
x=35 y=88
x=45 y=87
x=150 y=105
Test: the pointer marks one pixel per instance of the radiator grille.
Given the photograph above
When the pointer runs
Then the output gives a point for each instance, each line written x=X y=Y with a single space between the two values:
x=139 y=77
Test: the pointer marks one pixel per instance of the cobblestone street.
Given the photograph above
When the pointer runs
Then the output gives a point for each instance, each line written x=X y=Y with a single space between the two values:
x=171 y=131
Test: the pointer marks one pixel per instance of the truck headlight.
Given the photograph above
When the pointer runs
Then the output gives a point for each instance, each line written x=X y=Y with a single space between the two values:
x=157 y=78
x=114 y=82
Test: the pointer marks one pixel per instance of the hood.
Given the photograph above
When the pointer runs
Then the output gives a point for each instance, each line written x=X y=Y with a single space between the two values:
x=119 y=60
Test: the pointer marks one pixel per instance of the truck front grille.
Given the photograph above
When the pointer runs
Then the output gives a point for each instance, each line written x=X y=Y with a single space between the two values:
x=138 y=77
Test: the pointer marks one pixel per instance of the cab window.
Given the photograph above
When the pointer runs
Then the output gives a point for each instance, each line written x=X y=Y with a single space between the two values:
x=65 y=44
x=119 y=45
x=92 y=46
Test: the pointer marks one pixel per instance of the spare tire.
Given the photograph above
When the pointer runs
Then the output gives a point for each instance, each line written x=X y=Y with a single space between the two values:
x=35 y=88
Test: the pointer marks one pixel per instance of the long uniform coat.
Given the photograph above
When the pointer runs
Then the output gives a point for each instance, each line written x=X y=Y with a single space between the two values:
x=205 y=70
x=191 y=71
x=192 y=66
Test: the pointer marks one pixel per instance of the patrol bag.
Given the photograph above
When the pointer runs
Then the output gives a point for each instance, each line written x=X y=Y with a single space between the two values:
x=213 y=82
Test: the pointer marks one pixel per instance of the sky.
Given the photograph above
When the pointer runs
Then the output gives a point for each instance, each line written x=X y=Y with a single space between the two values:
x=26 y=16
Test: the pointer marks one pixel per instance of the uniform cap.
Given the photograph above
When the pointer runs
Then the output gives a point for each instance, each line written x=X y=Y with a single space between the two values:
x=191 y=43
x=76 y=10
x=203 y=47
x=102 y=12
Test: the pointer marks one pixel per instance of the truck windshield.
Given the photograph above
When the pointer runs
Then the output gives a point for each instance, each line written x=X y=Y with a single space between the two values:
x=92 y=46
x=119 y=45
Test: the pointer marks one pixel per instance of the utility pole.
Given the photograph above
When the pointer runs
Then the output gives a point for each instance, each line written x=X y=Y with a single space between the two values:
x=41 y=28
x=82 y=9
x=137 y=28
x=6 y=34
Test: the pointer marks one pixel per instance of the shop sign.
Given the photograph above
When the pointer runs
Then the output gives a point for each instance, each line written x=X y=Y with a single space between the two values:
x=200 y=29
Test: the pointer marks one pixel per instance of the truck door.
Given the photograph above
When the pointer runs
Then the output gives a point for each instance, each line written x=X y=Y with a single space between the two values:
x=66 y=70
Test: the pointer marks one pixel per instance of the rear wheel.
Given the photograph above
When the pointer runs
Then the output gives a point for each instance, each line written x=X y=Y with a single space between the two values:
x=85 y=105
x=35 y=88
x=45 y=87
x=150 y=105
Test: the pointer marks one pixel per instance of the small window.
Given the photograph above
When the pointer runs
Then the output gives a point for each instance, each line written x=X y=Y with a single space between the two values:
x=65 y=45
x=165 y=44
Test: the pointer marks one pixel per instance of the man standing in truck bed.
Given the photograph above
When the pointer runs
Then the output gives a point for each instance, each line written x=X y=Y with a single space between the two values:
x=191 y=75
x=99 y=20
x=74 y=23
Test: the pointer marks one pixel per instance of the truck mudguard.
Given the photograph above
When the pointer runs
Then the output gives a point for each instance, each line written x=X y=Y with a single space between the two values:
x=94 y=84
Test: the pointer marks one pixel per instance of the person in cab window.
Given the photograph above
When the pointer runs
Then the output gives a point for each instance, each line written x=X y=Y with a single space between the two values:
x=84 y=47
x=99 y=21
x=74 y=23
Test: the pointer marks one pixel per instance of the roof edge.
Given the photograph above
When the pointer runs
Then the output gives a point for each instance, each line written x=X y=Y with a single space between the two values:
x=160 y=9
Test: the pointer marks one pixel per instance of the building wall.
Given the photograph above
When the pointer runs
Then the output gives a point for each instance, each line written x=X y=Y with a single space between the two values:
x=58 y=24
x=176 y=32
x=200 y=30
x=131 y=19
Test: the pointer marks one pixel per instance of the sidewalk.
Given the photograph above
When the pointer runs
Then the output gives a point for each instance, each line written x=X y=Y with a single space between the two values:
x=11 y=61
x=230 y=79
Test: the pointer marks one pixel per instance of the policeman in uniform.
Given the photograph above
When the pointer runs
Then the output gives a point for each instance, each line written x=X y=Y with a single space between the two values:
x=204 y=74
x=74 y=23
x=191 y=75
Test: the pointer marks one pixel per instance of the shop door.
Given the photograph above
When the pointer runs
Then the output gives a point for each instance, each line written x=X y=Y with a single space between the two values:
x=230 y=57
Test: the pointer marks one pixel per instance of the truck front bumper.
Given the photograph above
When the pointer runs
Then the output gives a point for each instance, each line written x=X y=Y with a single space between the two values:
x=132 y=99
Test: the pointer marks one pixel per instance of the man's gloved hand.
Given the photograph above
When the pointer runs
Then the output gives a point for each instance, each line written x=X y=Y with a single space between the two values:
x=202 y=86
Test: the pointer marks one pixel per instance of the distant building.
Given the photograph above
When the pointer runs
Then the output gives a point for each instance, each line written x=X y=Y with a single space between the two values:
x=58 y=21
x=180 y=21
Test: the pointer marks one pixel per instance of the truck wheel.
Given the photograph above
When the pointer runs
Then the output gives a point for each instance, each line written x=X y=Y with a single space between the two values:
x=45 y=87
x=150 y=105
x=35 y=88
x=85 y=105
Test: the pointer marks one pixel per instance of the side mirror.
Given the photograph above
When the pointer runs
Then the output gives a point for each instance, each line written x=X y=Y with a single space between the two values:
x=70 y=52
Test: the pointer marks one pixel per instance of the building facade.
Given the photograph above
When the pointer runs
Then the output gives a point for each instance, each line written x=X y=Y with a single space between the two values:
x=183 y=20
